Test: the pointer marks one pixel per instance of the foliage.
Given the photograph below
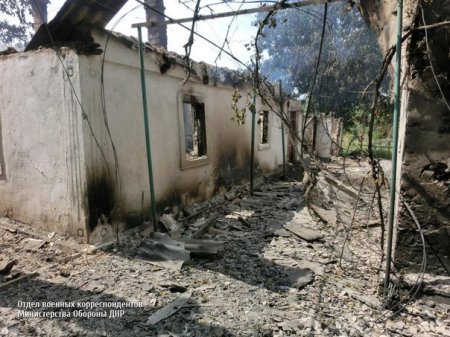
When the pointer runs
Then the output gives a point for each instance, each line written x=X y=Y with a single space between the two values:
x=14 y=31
x=15 y=22
x=353 y=146
x=350 y=60
x=355 y=141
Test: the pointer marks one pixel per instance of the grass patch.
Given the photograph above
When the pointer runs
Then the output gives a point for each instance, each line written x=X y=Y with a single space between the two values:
x=352 y=146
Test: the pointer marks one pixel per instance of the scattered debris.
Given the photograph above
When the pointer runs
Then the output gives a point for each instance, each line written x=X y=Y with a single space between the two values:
x=255 y=278
x=299 y=278
x=169 y=309
x=326 y=215
x=8 y=51
x=304 y=233
x=7 y=227
x=203 y=247
x=6 y=267
x=283 y=233
x=251 y=203
x=171 y=225
x=370 y=301
x=66 y=259
x=33 y=244
x=340 y=185
x=173 y=287
x=203 y=225
x=18 y=279
x=161 y=250
x=64 y=273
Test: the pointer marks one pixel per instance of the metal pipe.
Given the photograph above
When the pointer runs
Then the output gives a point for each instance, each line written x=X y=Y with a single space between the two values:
x=252 y=147
x=395 y=124
x=236 y=13
x=147 y=129
x=282 y=129
x=314 y=134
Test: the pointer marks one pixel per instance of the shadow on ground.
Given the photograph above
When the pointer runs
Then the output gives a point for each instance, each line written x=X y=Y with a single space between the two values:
x=131 y=323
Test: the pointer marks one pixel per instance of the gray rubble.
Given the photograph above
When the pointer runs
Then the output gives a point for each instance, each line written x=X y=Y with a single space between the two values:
x=265 y=265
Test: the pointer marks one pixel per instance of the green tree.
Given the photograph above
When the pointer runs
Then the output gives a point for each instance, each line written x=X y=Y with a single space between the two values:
x=15 y=22
x=350 y=58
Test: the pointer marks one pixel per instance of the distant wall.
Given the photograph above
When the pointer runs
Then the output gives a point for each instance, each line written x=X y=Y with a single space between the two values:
x=328 y=135
x=42 y=178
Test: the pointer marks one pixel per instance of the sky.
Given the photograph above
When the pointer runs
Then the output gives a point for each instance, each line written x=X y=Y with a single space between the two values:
x=241 y=31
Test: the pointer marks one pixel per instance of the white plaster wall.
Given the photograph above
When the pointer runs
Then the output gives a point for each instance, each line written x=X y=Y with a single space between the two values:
x=58 y=151
x=323 y=133
x=295 y=106
x=41 y=142
x=228 y=144
x=269 y=156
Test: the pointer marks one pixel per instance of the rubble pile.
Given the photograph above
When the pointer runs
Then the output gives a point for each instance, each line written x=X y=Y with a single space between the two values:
x=236 y=265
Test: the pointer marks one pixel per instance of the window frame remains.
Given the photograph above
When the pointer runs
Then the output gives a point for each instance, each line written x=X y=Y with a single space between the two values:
x=193 y=130
x=2 y=156
x=264 y=130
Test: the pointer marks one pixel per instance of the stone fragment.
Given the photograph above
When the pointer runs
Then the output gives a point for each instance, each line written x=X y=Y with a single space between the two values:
x=190 y=210
x=317 y=268
x=169 y=309
x=282 y=204
x=203 y=225
x=6 y=267
x=174 y=287
x=230 y=196
x=7 y=226
x=442 y=331
x=283 y=233
x=293 y=203
x=64 y=273
x=171 y=225
x=303 y=232
x=203 y=247
x=251 y=203
x=161 y=250
x=299 y=278
x=33 y=244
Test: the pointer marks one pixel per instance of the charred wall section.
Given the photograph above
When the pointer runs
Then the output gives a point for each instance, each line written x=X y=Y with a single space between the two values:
x=426 y=163
x=424 y=127
x=2 y=156
x=117 y=195
x=101 y=198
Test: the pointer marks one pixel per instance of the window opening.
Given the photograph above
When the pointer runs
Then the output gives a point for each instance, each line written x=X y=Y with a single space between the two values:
x=264 y=127
x=194 y=129
x=2 y=157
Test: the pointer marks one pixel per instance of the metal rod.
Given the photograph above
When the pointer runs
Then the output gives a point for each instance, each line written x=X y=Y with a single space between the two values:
x=252 y=146
x=314 y=135
x=235 y=13
x=147 y=128
x=284 y=150
x=282 y=129
x=311 y=90
x=394 y=145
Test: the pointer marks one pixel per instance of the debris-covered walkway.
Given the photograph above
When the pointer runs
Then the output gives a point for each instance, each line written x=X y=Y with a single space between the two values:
x=235 y=266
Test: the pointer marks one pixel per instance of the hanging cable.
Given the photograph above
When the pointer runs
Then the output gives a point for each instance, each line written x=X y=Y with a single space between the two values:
x=84 y=114
x=103 y=97
x=197 y=34
x=308 y=106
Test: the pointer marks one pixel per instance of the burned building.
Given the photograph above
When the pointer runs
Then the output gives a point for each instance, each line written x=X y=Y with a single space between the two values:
x=73 y=150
